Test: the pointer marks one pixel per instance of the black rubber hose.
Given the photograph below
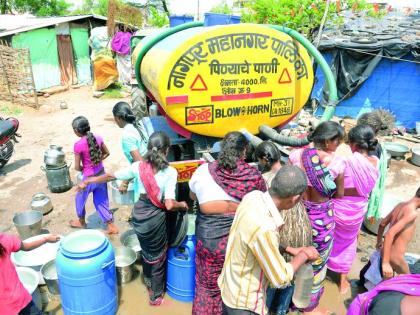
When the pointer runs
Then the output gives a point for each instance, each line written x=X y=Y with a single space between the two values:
x=283 y=140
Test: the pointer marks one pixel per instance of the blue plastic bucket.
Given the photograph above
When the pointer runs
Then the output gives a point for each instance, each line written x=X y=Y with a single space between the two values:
x=211 y=19
x=86 y=274
x=175 y=20
x=181 y=270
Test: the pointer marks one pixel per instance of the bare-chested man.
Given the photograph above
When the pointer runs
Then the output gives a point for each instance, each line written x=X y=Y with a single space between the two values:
x=402 y=222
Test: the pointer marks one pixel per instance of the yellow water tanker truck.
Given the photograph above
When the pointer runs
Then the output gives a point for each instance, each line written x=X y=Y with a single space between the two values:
x=208 y=81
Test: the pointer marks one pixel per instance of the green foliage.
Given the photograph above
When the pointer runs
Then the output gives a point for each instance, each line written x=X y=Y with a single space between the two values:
x=160 y=5
x=99 y=7
x=377 y=14
x=36 y=7
x=113 y=91
x=10 y=110
x=222 y=8
x=302 y=15
x=157 y=19
x=357 y=5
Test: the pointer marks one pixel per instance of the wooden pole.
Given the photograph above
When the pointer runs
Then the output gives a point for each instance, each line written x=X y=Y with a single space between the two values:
x=29 y=63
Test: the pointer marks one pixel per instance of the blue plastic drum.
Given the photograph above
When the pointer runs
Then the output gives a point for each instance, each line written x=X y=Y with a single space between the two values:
x=211 y=19
x=175 y=20
x=181 y=270
x=86 y=274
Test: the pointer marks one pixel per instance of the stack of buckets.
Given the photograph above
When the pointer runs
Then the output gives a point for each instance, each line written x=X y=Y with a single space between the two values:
x=181 y=267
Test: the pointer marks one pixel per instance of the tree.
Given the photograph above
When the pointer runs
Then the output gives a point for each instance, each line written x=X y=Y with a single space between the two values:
x=222 y=8
x=99 y=7
x=35 y=7
x=159 y=5
x=156 y=11
x=304 y=15
x=156 y=18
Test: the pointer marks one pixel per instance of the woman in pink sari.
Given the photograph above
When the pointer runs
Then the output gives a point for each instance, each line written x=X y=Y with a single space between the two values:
x=360 y=176
x=398 y=295
x=325 y=172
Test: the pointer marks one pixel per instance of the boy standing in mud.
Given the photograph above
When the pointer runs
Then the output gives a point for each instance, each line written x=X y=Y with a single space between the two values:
x=402 y=222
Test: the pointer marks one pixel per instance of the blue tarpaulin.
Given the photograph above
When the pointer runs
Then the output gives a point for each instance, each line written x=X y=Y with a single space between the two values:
x=393 y=85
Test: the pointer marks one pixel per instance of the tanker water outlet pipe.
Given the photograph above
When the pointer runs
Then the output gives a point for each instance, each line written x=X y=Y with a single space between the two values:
x=153 y=41
x=255 y=141
x=329 y=77
x=283 y=140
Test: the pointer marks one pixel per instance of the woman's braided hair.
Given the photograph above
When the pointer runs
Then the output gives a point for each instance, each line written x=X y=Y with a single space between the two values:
x=81 y=125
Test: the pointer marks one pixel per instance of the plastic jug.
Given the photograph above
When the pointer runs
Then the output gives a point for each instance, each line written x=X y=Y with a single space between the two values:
x=303 y=286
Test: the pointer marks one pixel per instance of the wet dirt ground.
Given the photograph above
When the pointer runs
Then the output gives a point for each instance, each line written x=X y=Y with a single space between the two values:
x=22 y=177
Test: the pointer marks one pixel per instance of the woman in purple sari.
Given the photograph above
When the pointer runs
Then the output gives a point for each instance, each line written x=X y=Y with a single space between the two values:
x=360 y=176
x=325 y=172
x=399 y=295
x=218 y=187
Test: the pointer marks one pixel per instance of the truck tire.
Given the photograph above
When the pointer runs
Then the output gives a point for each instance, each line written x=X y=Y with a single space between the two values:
x=139 y=103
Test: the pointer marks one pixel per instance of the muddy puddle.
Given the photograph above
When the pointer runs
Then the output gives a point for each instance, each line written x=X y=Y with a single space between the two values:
x=133 y=300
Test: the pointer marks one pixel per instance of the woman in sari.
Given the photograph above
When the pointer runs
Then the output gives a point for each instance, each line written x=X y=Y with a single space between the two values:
x=325 y=172
x=398 y=295
x=154 y=189
x=295 y=232
x=268 y=157
x=218 y=187
x=360 y=176
x=377 y=122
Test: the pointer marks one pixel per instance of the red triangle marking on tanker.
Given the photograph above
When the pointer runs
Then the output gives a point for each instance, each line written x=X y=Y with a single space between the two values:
x=201 y=85
x=288 y=80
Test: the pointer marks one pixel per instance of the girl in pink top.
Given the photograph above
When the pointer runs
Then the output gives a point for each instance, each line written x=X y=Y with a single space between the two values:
x=89 y=152
x=14 y=298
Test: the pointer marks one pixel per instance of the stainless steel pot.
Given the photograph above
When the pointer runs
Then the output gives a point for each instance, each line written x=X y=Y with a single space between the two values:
x=49 y=273
x=37 y=257
x=54 y=156
x=41 y=202
x=388 y=159
x=30 y=281
x=79 y=177
x=397 y=150
x=124 y=261
x=119 y=198
x=129 y=239
x=415 y=158
x=28 y=223
x=58 y=178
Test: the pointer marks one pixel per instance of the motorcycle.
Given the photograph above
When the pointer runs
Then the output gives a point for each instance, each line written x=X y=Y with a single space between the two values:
x=8 y=135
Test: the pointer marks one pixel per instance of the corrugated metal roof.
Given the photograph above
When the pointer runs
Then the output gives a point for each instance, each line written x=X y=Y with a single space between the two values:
x=12 y=24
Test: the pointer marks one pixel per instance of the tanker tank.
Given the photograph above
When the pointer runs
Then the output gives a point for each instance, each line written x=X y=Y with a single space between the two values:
x=212 y=80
